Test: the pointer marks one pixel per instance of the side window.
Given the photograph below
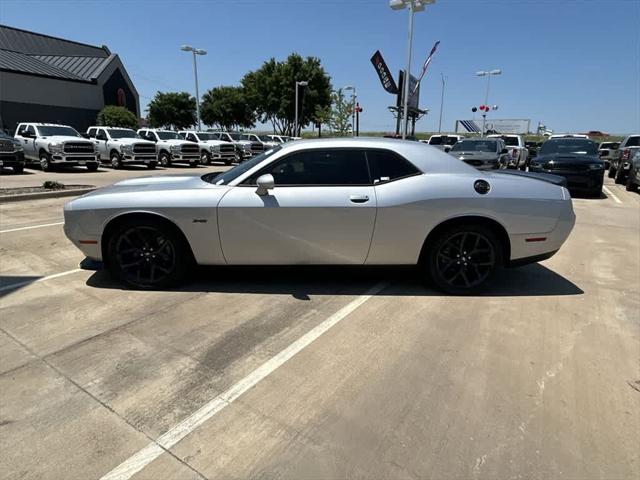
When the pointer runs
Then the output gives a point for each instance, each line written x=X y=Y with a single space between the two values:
x=31 y=130
x=91 y=132
x=20 y=130
x=191 y=137
x=101 y=135
x=387 y=166
x=320 y=168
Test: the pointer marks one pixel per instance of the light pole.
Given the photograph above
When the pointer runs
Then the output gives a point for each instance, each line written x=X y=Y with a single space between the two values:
x=353 y=111
x=441 y=104
x=414 y=6
x=295 y=123
x=195 y=51
x=487 y=74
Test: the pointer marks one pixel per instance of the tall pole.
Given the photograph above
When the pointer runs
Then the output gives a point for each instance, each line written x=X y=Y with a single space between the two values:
x=195 y=73
x=441 y=104
x=295 y=123
x=353 y=111
x=407 y=74
x=486 y=101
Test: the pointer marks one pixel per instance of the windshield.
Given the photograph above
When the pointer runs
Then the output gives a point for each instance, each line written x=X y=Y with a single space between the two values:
x=435 y=141
x=266 y=138
x=611 y=145
x=574 y=146
x=510 y=141
x=633 y=142
x=168 y=136
x=475 y=146
x=230 y=175
x=235 y=136
x=207 y=136
x=49 y=130
x=122 y=133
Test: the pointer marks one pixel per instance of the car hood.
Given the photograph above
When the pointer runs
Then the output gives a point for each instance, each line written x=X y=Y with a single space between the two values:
x=174 y=142
x=131 y=141
x=65 y=138
x=563 y=159
x=462 y=155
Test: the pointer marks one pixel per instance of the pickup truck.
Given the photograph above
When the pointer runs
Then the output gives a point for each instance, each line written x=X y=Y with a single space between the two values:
x=123 y=146
x=517 y=149
x=53 y=146
x=211 y=147
x=267 y=141
x=443 y=142
x=172 y=147
x=606 y=152
x=11 y=153
x=620 y=163
x=244 y=148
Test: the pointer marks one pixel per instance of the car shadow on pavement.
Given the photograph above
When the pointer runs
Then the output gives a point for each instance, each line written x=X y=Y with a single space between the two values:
x=9 y=171
x=303 y=281
x=13 y=283
x=583 y=196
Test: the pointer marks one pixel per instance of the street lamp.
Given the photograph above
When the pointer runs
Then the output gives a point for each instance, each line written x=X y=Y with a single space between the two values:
x=487 y=74
x=414 y=6
x=301 y=83
x=354 y=96
x=441 y=103
x=195 y=51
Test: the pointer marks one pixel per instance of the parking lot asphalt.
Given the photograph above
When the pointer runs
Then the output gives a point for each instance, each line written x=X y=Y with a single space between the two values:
x=321 y=373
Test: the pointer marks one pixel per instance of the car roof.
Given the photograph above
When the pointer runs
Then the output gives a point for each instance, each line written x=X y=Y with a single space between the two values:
x=38 y=124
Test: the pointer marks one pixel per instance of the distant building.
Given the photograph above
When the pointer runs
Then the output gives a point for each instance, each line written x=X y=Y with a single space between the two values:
x=48 y=79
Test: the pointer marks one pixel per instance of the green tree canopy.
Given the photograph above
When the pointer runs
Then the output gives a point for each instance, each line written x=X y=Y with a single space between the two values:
x=114 y=116
x=172 y=110
x=270 y=91
x=227 y=107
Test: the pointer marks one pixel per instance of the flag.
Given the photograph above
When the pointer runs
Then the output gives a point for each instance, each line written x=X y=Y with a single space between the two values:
x=426 y=65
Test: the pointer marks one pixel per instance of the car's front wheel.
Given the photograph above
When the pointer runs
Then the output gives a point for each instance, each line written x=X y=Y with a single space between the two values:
x=148 y=254
x=165 y=159
x=620 y=176
x=116 y=161
x=463 y=259
x=45 y=162
x=152 y=165
x=205 y=158
x=18 y=168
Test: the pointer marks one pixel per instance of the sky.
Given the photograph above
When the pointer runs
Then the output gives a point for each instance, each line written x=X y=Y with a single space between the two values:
x=572 y=64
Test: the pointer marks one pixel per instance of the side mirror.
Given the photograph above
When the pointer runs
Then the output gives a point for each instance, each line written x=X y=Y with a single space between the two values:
x=504 y=150
x=265 y=183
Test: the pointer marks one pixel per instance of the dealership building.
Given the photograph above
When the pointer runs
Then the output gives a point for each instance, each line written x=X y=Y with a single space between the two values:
x=49 y=79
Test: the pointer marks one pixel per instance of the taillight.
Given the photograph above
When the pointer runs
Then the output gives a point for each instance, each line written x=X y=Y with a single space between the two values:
x=625 y=154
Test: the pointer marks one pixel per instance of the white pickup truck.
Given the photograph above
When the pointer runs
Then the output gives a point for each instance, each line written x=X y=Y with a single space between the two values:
x=172 y=147
x=54 y=146
x=211 y=147
x=123 y=146
x=517 y=149
x=443 y=142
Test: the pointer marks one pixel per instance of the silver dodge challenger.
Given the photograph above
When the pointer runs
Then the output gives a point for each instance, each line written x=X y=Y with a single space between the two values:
x=349 y=201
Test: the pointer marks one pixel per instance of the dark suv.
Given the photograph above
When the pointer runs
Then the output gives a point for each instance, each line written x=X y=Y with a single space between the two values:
x=11 y=153
x=576 y=159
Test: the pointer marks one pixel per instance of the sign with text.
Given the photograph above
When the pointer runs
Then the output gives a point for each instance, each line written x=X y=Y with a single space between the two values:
x=383 y=73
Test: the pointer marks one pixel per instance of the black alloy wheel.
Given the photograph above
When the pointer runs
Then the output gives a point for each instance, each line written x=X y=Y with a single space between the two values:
x=165 y=159
x=464 y=258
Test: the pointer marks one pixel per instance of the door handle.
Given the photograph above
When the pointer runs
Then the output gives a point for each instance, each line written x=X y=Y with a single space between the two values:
x=359 y=198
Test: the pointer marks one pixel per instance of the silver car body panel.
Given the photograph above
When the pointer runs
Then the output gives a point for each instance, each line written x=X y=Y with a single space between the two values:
x=232 y=224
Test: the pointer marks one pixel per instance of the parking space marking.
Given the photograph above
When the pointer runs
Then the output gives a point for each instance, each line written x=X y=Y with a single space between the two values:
x=43 y=279
x=171 y=437
x=31 y=227
x=611 y=194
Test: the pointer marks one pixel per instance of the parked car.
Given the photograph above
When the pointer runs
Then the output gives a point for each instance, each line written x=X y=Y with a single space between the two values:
x=352 y=201
x=123 y=146
x=532 y=148
x=569 y=135
x=576 y=159
x=54 y=146
x=482 y=153
x=11 y=153
x=443 y=142
x=245 y=148
x=620 y=162
x=263 y=139
x=279 y=138
x=517 y=149
x=211 y=147
x=172 y=147
x=606 y=151
x=633 y=177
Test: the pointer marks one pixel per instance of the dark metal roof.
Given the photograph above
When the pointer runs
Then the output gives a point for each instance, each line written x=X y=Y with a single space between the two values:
x=19 y=62
x=83 y=67
x=31 y=43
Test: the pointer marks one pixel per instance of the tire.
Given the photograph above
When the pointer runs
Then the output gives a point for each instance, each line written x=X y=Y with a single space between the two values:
x=193 y=164
x=620 y=177
x=152 y=165
x=116 y=161
x=629 y=186
x=596 y=192
x=45 y=162
x=165 y=159
x=205 y=158
x=148 y=254
x=92 y=167
x=612 y=172
x=228 y=161
x=18 y=168
x=463 y=259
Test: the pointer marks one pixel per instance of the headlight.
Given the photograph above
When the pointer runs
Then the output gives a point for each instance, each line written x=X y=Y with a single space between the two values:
x=246 y=146
x=127 y=148
x=215 y=148
x=175 y=148
x=595 y=166
x=55 y=147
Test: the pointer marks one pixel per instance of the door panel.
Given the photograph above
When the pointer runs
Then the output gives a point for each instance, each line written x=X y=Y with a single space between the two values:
x=297 y=225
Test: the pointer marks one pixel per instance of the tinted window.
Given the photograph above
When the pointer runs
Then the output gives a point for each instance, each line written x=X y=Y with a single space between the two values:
x=122 y=133
x=51 y=130
x=387 y=166
x=321 y=167
x=92 y=133
x=233 y=173
x=475 y=146
x=633 y=142
x=574 y=146
x=166 y=135
x=31 y=130
x=435 y=140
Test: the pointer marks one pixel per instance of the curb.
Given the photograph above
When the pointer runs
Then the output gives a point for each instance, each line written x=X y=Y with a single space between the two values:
x=44 y=195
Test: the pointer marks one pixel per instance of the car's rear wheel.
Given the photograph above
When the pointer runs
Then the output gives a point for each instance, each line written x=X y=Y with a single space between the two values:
x=148 y=254
x=620 y=176
x=612 y=172
x=463 y=259
x=630 y=186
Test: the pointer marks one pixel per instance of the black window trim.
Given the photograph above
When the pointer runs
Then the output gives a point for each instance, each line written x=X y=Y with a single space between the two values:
x=386 y=150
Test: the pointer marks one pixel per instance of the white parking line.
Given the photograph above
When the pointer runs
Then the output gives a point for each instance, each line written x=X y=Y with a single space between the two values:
x=31 y=227
x=611 y=194
x=48 y=277
x=153 y=450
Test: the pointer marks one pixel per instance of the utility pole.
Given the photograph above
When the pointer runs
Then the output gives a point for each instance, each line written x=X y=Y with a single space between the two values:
x=441 y=104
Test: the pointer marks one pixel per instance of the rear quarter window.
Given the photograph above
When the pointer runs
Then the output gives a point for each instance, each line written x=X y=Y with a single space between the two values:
x=387 y=166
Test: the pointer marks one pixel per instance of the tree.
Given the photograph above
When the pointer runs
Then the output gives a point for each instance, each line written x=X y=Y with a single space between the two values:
x=172 y=109
x=227 y=107
x=341 y=109
x=270 y=91
x=114 y=116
